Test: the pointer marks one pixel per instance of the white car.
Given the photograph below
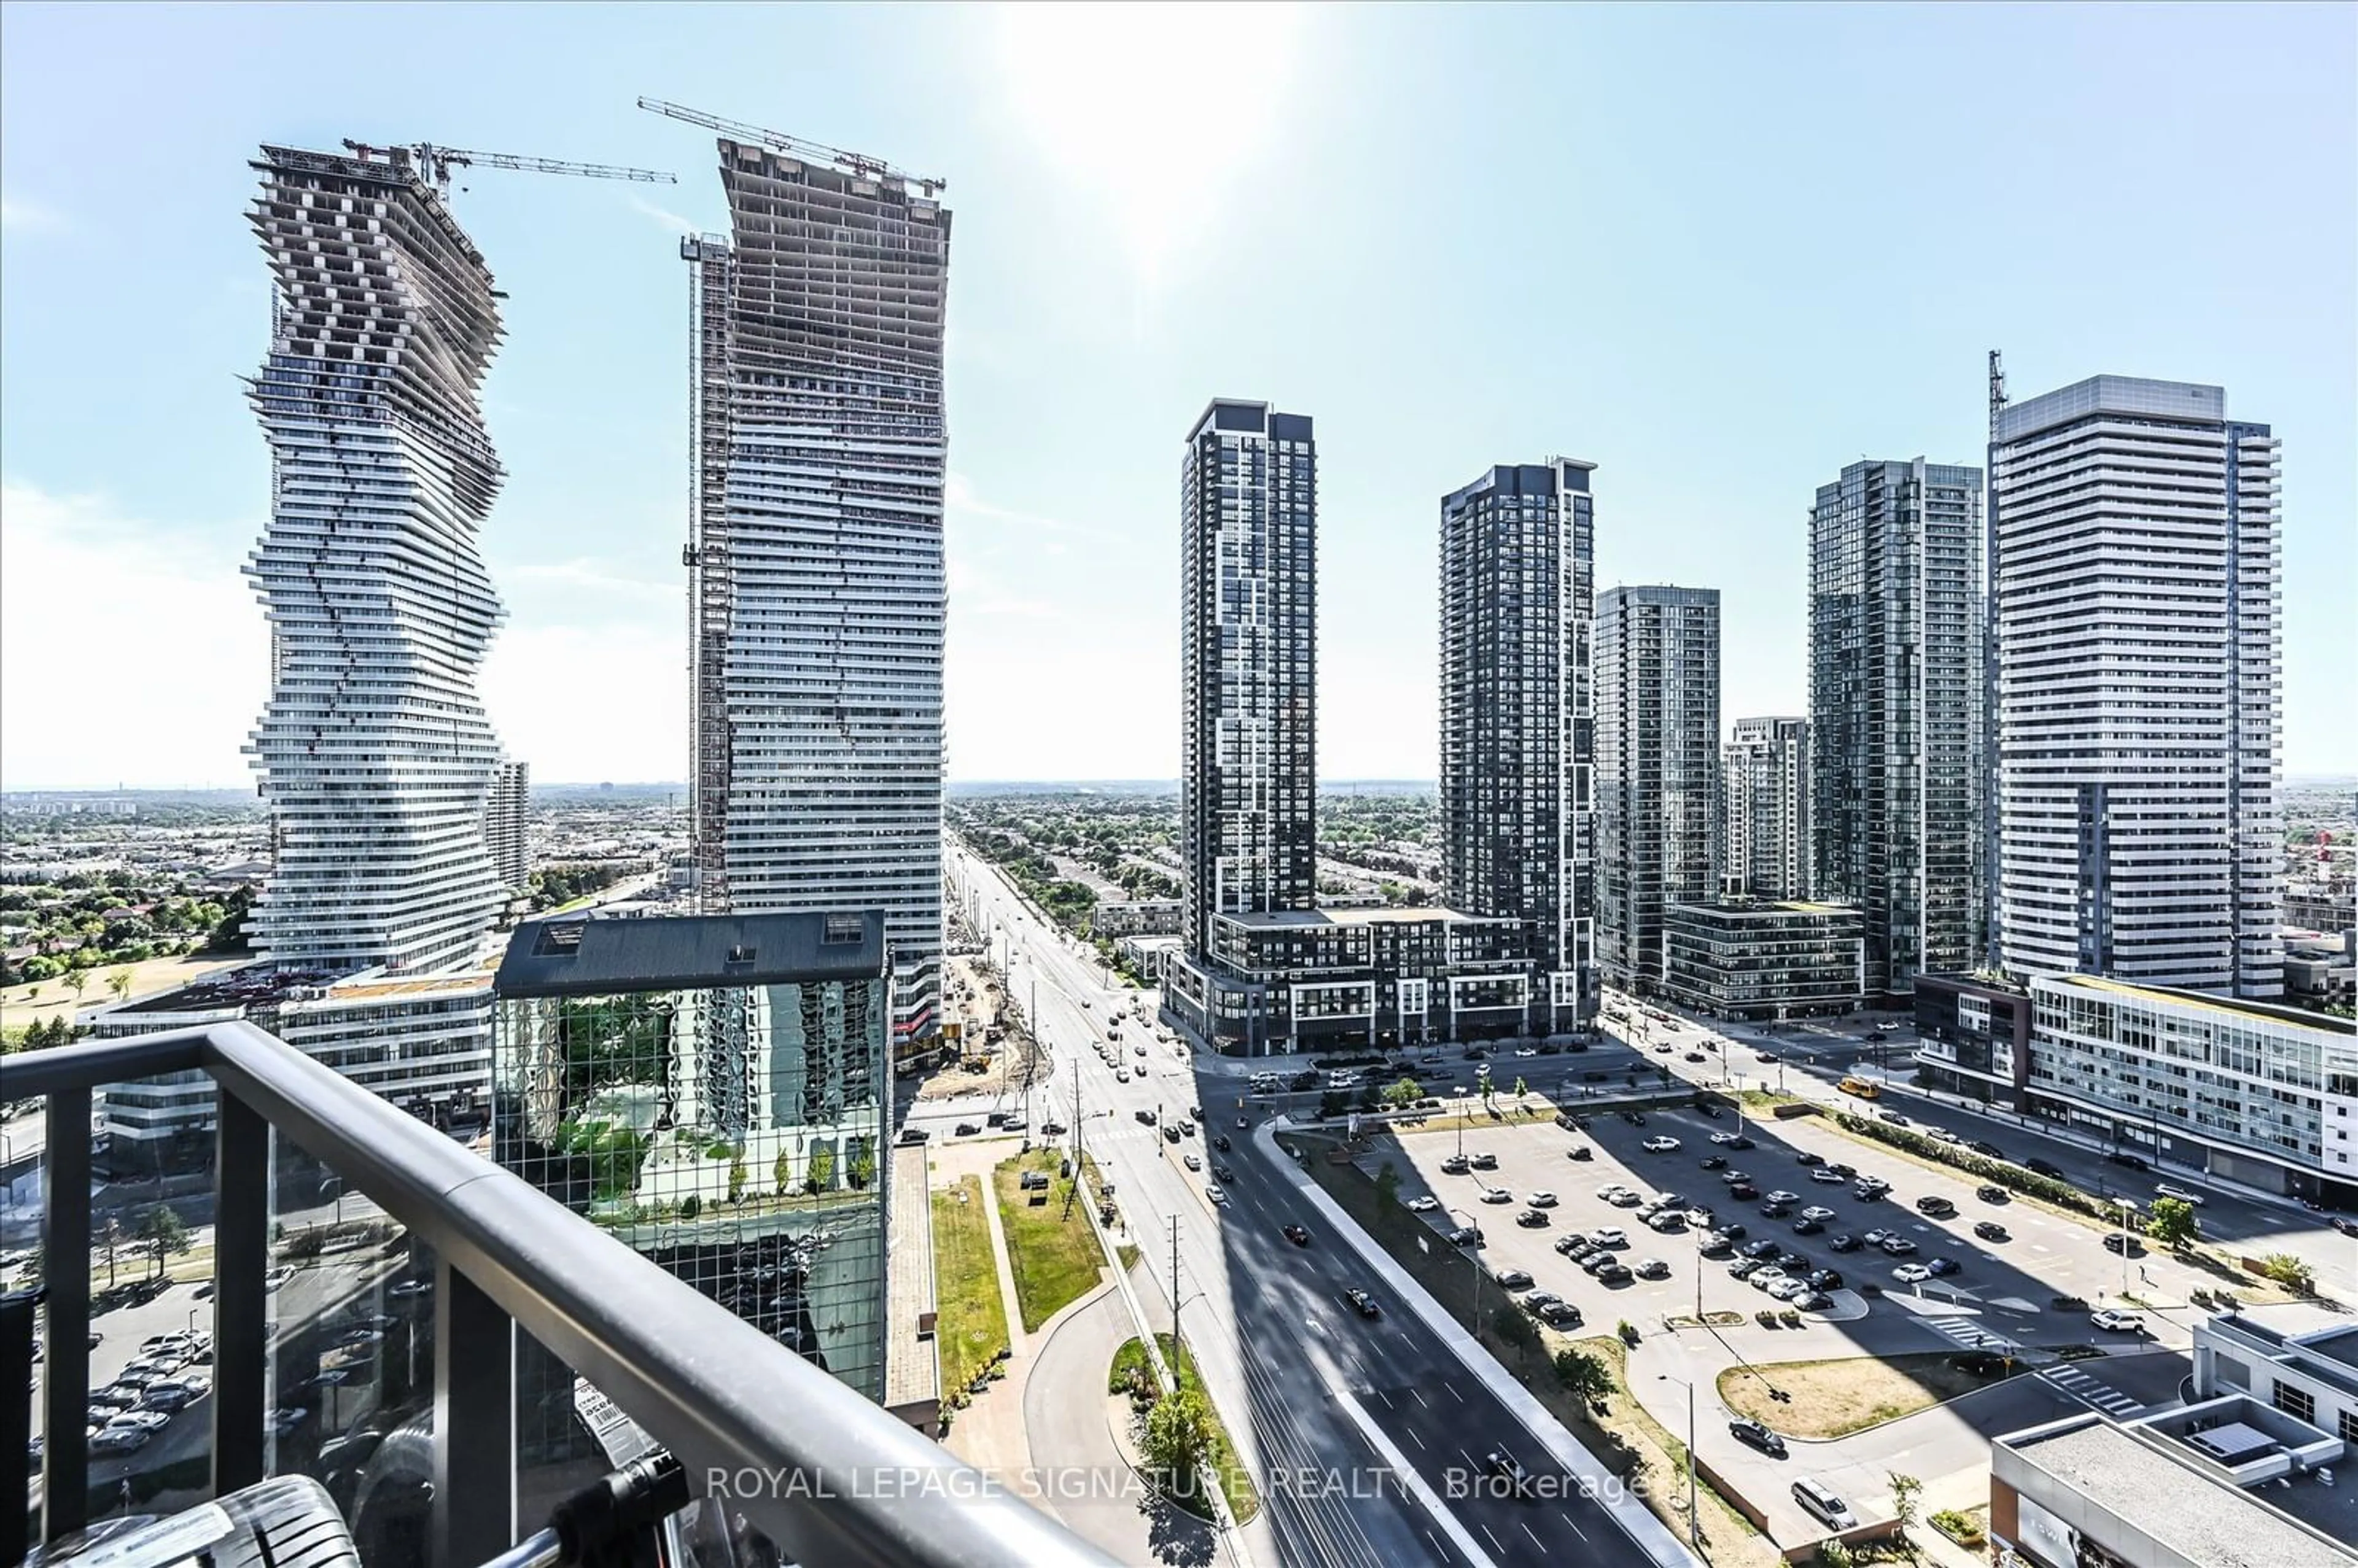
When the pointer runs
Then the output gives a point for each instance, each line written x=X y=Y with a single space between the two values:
x=2117 y=1321
x=1724 y=1138
x=149 y=1422
x=1611 y=1236
x=1817 y=1212
x=1700 y=1218
x=2164 y=1189
x=1121 y=1074
x=1660 y=1143
x=1610 y=1191
x=1542 y=1200
x=1625 y=1198
x=1215 y=1194
x=1765 y=1279
x=1786 y=1289
x=1425 y=1203
x=1911 y=1273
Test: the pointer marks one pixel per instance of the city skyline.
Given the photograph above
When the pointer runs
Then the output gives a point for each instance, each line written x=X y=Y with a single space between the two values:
x=1056 y=497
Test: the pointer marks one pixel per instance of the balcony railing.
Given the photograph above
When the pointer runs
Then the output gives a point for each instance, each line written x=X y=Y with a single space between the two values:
x=777 y=1443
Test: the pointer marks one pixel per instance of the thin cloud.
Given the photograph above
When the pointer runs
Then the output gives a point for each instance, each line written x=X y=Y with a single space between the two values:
x=594 y=574
x=20 y=216
x=665 y=216
x=958 y=496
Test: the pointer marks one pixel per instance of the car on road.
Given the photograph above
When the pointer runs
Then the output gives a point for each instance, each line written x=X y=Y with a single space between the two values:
x=1871 y=1187
x=1532 y=1218
x=1425 y=1203
x=1363 y=1303
x=279 y=1276
x=1817 y=1211
x=1899 y=1246
x=1222 y=1174
x=1191 y=1161
x=1758 y=1436
x=966 y=1130
x=1807 y=1226
x=1297 y=1235
x=2115 y=1321
x=1983 y=1146
x=1808 y=1157
x=1844 y=1243
x=1497 y=1195
x=1827 y=1174
x=1911 y=1273
x=1455 y=1165
x=1776 y=1210
x=1660 y=1143
x=2345 y=1224
x=1510 y=1279
x=1764 y=1248
x=1990 y=1230
x=1733 y=1177
x=1723 y=1139
x=2127 y=1246
x=1507 y=1469
x=1220 y=1142
x=109 y=1441
x=1742 y=1191
x=1542 y=1200
x=2183 y=1194
x=1989 y=1192
x=1942 y=1265
x=2047 y=1168
x=1783 y=1197
x=1936 y=1208
x=1608 y=1236
x=2127 y=1160
x=1824 y=1504
x=1893 y=1117
x=1716 y=1163
x=1654 y=1269
x=1824 y=1280
x=1465 y=1235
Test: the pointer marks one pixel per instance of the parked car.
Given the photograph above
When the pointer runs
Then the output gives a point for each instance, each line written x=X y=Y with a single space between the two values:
x=1940 y=1265
x=1827 y=1176
x=1911 y=1273
x=2115 y=1321
x=1807 y=1226
x=1485 y=1162
x=1654 y=1269
x=1743 y=1265
x=1455 y=1165
x=2183 y=1194
x=1715 y=1163
x=1899 y=1246
x=1609 y=1235
x=1614 y=1271
x=2127 y=1246
x=1825 y=1280
x=1510 y=1279
x=1425 y=1203
x=1990 y=1193
x=2044 y=1167
x=1990 y=1230
x=1824 y=1504
x=1465 y=1235
x=1497 y=1195
x=1741 y=1191
x=1542 y=1200
x=1764 y=1248
x=1532 y=1218
x=1844 y=1243
x=1935 y=1207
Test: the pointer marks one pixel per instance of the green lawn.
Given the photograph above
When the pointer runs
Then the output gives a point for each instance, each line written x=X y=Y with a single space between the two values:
x=1050 y=1246
x=971 y=1327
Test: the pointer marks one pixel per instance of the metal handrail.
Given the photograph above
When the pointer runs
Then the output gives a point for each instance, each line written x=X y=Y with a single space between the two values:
x=823 y=1472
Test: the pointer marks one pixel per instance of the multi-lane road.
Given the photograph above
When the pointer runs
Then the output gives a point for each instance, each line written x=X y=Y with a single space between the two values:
x=1369 y=1438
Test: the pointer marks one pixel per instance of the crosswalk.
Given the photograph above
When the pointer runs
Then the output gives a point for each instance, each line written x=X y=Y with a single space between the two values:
x=1970 y=1334
x=2091 y=1390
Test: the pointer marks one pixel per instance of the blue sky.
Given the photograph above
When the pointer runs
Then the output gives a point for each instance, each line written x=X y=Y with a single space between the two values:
x=1720 y=253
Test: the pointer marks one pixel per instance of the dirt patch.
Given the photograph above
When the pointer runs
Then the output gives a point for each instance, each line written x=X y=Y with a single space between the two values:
x=1834 y=1398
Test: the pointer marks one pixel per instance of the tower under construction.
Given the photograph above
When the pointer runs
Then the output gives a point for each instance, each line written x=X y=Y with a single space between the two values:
x=818 y=447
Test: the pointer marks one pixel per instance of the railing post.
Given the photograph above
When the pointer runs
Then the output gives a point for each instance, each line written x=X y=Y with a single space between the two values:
x=241 y=1298
x=18 y=1308
x=65 y=1275
x=474 y=1422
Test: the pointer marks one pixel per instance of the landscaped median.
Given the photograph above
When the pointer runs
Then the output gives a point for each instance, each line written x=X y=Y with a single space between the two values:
x=1181 y=1439
x=1051 y=1249
x=970 y=1326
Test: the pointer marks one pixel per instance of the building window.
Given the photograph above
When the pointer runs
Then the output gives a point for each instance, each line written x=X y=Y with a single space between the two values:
x=2298 y=1402
x=2348 y=1423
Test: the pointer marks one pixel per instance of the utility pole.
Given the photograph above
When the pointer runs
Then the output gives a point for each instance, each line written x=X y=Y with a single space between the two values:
x=1174 y=1302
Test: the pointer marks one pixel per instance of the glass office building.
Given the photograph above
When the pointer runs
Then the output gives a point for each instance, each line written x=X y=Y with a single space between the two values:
x=714 y=1091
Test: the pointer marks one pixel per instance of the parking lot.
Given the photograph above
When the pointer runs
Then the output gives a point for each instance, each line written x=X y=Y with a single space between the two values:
x=1976 y=1285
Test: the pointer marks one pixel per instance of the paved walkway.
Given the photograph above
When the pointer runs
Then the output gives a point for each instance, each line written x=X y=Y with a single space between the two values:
x=990 y=1432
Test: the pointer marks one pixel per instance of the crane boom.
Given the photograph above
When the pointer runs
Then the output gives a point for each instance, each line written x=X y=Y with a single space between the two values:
x=435 y=163
x=858 y=163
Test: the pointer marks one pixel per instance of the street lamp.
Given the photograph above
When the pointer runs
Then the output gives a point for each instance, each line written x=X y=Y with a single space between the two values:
x=1694 y=1531
x=1474 y=1258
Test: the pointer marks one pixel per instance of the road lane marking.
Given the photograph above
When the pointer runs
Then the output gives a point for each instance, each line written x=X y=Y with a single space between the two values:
x=1412 y=1437
x=1385 y=1398
x=1576 y=1529
x=1454 y=1393
x=1420 y=1397
x=1494 y=1539
x=1533 y=1534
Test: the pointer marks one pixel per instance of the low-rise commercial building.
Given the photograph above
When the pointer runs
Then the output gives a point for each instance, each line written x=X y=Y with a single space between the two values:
x=2253 y=1092
x=1137 y=917
x=2171 y=1490
x=1972 y=1036
x=1758 y=960
x=1145 y=956
x=2297 y=1359
x=1296 y=979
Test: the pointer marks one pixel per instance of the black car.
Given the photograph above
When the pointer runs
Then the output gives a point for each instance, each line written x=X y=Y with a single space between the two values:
x=1980 y=1363
x=1990 y=1230
x=1715 y=1163
x=1733 y=1231
x=1762 y=1249
x=1297 y=1235
x=2345 y=1224
x=1220 y=1143
x=1532 y=1218
x=1742 y=1190
x=1991 y=1194
x=1776 y=1210
x=1716 y=1242
x=1614 y=1273
x=1221 y=1172
x=1758 y=1436
x=1803 y=1157
x=1465 y=1235
x=1845 y=1243
x=1825 y=1280
x=1809 y=1226
x=1940 y=1265
x=2044 y=1167
x=2132 y=1161
x=1740 y=1141
x=1981 y=1146
x=2127 y=1246
x=1363 y=1303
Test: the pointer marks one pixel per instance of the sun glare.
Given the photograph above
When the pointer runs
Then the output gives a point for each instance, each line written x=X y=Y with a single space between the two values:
x=1157 y=108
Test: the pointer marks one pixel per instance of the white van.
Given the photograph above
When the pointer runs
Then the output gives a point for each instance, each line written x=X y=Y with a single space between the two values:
x=1822 y=1503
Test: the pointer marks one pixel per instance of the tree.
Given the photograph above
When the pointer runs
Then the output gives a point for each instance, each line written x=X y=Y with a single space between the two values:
x=1521 y=1090
x=1178 y=1436
x=1907 y=1494
x=736 y=1179
x=1403 y=1093
x=1333 y=1103
x=863 y=1162
x=119 y=983
x=2173 y=1222
x=780 y=1174
x=1388 y=1183
x=822 y=1168
x=77 y=980
x=691 y=1206
x=1833 y=1554
x=1584 y=1374
x=2286 y=1271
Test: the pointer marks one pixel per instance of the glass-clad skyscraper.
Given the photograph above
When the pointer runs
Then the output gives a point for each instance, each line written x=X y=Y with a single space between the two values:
x=1896 y=626
x=1658 y=773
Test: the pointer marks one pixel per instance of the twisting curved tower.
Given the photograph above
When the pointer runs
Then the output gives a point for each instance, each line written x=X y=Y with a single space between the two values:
x=374 y=752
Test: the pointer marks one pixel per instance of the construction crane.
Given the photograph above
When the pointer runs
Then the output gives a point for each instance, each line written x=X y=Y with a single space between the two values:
x=434 y=164
x=816 y=152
